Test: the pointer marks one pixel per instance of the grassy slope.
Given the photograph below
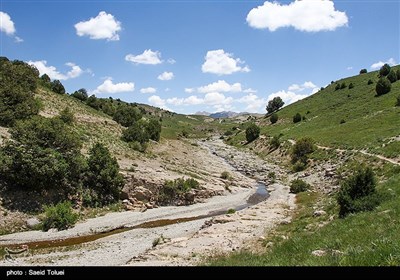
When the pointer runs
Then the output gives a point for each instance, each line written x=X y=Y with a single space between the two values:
x=370 y=121
x=369 y=238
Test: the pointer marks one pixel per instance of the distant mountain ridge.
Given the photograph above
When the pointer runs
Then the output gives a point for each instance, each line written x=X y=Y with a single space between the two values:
x=223 y=114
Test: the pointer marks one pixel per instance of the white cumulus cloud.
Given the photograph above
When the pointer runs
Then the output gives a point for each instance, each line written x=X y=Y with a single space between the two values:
x=53 y=73
x=379 y=64
x=295 y=92
x=103 y=26
x=166 y=76
x=148 y=90
x=109 y=87
x=6 y=24
x=189 y=90
x=303 y=15
x=221 y=63
x=253 y=103
x=147 y=57
x=220 y=86
x=158 y=102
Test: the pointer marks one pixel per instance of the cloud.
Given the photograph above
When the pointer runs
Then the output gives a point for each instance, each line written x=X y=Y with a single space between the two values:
x=294 y=92
x=379 y=64
x=189 y=90
x=109 y=87
x=158 y=102
x=6 y=24
x=221 y=63
x=104 y=26
x=303 y=15
x=148 y=90
x=220 y=86
x=171 y=61
x=52 y=72
x=299 y=88
x=147 y=57
x=250 y=90
x=253 y=102
x=166 y=76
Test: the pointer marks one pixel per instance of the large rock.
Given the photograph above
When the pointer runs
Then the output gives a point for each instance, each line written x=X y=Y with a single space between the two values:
x=32 y=223
x=142 y=194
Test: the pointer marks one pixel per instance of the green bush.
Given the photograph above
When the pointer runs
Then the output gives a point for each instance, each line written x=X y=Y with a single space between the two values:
x=80 y=94
x=136 y=132
x=44 y=154
x=297 y=186
x=383 y=86
x=275 y=142
x=57 y=87
x=18 y=82
x=370 y=82
x=274 y=104
x=297 y=118
x=302 y=149
x=337 y=87
x=385 y=69
x=343 y=85
x=392 y=77
x=252 y=132
x=67 y=116
x=363 y=71
x=127 y=115
x=358 y=192
x=398 y=74
x=274 y=118
x=351 y=85
x=153 y=128
x=174 y=190
x=398 y=101
x=299 y=166
x=103 y=175
x=226 y=175
x=60 y=216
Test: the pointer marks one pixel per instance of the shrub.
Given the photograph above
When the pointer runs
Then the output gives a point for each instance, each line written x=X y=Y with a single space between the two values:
x=57 y=87
x=44 y=154
x=351 y=85
x=363 y=71
x=275 y=142
x=274 y=118
x=337 y=87
x=385 y=69
x=226 y=175
x=67 y=116
x=370 y=82
x=398 y=101
x=272 y=176
x=297 y=186
x=299 y=166
x=358 y=192
x=392 y=77
x=274 y=104
x=59 y=216
x=153 y=129
x=231 y=211
x=398 y=74
x=302 y=149
x=252 y=132
x=136 y=132
x=127 y=115
x=80 y=94
x=174 y=190
x=102 y=175
x=383 y=86
x=297 y=118
x=343 y=85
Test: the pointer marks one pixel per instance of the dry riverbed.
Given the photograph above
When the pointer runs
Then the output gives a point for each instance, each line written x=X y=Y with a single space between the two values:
x=169 y=241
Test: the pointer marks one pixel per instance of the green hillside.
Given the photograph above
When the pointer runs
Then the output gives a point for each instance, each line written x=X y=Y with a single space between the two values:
x=344 y=118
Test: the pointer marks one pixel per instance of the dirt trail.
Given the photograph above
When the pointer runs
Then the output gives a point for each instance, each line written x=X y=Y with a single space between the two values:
x=184 y=243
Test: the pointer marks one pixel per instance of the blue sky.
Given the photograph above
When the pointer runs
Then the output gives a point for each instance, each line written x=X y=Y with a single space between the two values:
x=189 y=56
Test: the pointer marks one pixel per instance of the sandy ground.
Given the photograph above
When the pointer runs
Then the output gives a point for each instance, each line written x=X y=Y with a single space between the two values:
x=183 y=243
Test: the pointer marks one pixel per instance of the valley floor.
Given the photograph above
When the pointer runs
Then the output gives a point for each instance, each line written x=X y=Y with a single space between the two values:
x=182 y=243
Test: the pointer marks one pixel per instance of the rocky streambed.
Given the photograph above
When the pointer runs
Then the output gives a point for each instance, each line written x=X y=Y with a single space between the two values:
x=172 y=235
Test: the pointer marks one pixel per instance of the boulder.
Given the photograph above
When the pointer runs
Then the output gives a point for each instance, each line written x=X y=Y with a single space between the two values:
x=32 y=223
x=318 y=213
x=318 y=253
x=142 y=194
